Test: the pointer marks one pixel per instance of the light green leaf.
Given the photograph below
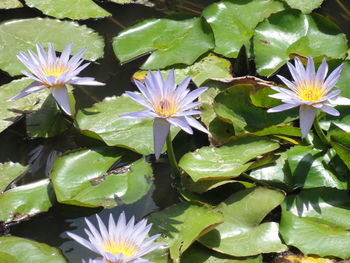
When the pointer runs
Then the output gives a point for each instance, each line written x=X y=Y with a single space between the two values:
x=171 y=41
x=8 y=4
x=241 y=234
x=10 y=111
x=317 y=221
x=233 y=22
x=182 y=224
x=18 y=250
x=311 y=37
x=8 y=172
x=25 y=201
x=228 y=161
x=81 y=178
x=18 y=34
x=304 y=6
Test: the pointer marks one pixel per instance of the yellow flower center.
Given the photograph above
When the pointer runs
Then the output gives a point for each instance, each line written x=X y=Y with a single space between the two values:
x=310 y=93
x=116 y=248
x=166 y=108
x=54 y=70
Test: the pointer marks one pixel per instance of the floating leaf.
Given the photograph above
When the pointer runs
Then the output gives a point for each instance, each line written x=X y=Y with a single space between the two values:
x=171 y=41
x=81 y=178
x=303 y=259
x=228 y=161
x=8 y=172
x=25 y=201
x=18 y=34
x=233 y=22
x=182 y=224
x=311 y=37
x=8 y=4
x=10 y=111
x=18 y=250
x=210 y=67
x=341 y=144
x=317 y=221
x=241 y=234
x=304 y=6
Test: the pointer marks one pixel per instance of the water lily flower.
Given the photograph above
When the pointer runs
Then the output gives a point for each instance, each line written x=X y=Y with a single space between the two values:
x=103 y=260
x=311 y=91
x=123 y=242
x=50 y=71
x=169 y=104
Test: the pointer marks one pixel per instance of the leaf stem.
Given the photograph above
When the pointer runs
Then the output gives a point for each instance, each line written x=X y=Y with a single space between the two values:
x=320 y=133
x=171 y=155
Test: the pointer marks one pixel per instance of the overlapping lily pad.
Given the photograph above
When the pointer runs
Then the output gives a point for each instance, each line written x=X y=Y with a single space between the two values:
x=182 y=224
x=228 y=161
x=18 y=34
x=305 y=6
x=8 y=4
x=311 y=37
x=8 y=172
x=82 y=178
x=15 y=250
x=317 y=222
x=242 y=233
x=170 y=42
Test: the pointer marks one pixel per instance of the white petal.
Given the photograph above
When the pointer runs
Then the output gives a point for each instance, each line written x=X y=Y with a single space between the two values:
x=195 y=124
x=161 y=129
x=307 y=117
x=282 y=107
x=330 y=110
x=339 y=101
x=61 y=96
x=182 y=123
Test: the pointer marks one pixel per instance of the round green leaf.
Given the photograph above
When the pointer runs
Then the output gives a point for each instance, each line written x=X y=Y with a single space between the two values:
x=78 y=9
x=18 y=34
x=304 y=6
x=23 y=250
x=241 y=234
x=170 y=41
x=317 y=221
x=233 y=22
x=227 y=161
x=307 y=35
x=8 y=172
x=24 y=201
x=8 y=4
x=182 y=224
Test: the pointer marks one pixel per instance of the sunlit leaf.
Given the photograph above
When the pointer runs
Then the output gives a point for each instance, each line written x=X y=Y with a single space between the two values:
x=242 y=233
x=305 y=6
x=18 y=34
x=8 y=172
x=170 y=41
x=8 y=4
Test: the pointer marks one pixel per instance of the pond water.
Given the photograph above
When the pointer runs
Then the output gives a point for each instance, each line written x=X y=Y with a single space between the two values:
x=50 y=227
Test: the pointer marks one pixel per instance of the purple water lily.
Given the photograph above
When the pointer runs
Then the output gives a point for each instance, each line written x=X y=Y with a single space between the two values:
x=103 y=260
x=169 y=104
x=311 y=91
x=123 y=242
x=50 y=71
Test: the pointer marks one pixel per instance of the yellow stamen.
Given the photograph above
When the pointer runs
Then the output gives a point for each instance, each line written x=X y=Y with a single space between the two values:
x=166 y=108
x=115 y=248
x=310 y=92
x=54 y=70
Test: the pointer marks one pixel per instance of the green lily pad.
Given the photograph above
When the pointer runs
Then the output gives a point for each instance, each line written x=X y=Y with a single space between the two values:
x=17 y=250
x=8 y=4
x=233 y=22
x=82 y=178
x=234 y=106
x=182 y=224
x=102 y=121
x=18 y=34
x=25 y=201
x=304 y=6
x=170 y=41
x=311 y=37
x=242 y=233
x=317 y=221
x=228 y=161
x=78 y=9
x=210 y=67
x=8 y=172
x=341 y=144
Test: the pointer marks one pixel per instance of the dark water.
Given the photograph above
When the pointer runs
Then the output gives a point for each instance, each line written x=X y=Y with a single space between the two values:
x=50 y=227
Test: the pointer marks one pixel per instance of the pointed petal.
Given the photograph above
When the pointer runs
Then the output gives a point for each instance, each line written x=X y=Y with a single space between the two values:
x=195 y=124
x=330 y=110
x=51 y=54
x=34 y=87
x=182 y=123
x=282 y=107
x=307 y=117
x=310 y=70
x=81 y=240
x=139 y=115
x=169 y=85
x=333 y=78
x=181 y=88
x=85 y=81
x=322 y=71
x=192 y=96
x=339 y=101
x=61 y=96
x=288 y=83
x=161 y=129
x=139 y=99
x=66 y=53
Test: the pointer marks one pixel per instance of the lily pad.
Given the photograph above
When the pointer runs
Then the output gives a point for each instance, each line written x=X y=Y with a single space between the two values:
x=10 y=111
x=182 y=224
x=82 y=178
x=78 y=9
x=341 y=144
x=25 y=201
x=317 y=222
x=8 y=172
x=18 y=34
x=304 y=6
x=233 y=22
x=228 y=161
x=170 y=42
x=18 y=250
x=242 y=233
x=8 y=4
x=311 y=37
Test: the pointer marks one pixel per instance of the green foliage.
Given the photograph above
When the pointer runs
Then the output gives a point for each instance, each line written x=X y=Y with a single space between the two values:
x=8 y=172
x=8 y=4
x=305 y=6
